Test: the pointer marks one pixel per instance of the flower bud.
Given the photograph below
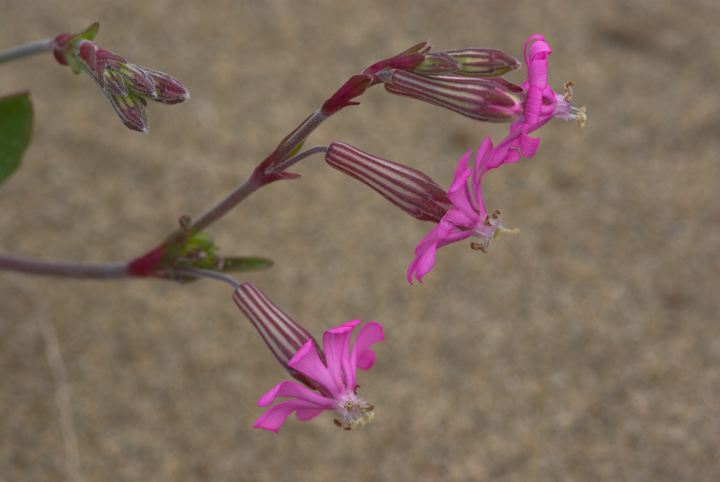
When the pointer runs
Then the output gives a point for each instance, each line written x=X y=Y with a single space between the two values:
x=482 y=62
x=282 y=335
x=409 y=189
x=126 y=86
x=480 y=99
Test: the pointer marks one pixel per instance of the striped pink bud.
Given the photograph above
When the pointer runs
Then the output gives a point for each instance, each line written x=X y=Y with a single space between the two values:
x=409 y=189
x=489 y=100
x=282 y=335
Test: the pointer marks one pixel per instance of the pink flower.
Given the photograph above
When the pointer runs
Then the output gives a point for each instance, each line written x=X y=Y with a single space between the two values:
x=541 y=104
x=469 y=218
x=335 y=379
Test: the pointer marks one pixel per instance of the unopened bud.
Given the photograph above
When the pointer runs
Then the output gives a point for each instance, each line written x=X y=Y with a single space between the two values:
x=127 y=86
x=282 y=335
x=409 y=189
x=482 y=62
x=480 y=99
x=432 y=63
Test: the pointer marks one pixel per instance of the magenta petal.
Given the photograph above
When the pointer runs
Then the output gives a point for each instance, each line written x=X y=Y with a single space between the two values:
x=306 y=414
x=366 y=360
x=361 y=355
x=533 y=105
x=274 y=418
x=529 y=145
x=423 y=263
x=482 y=156
x=425 y=242
x=454 y=238
x=307 y=362
x=462 y=164
x=538 y=50
x=294 y=390
x=454 y=219
x=336 y=344
x=458 y=195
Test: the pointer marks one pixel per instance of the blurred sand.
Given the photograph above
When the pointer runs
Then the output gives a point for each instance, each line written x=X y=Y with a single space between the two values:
x=584 y=348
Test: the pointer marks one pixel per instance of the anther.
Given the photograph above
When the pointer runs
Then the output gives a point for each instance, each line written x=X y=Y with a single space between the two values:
x=337 y=422
x=478 y=247
x=356 y=389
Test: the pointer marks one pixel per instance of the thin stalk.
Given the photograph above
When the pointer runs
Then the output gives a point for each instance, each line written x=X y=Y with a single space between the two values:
x=249 y=186
x=287 y=163
x=63 y=269
x=206 y=273
x=26 y=50
x=301 y=133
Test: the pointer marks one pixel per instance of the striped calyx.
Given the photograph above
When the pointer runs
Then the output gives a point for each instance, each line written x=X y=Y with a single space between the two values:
x=409 y=189
x=488 y=100
x=282 y=335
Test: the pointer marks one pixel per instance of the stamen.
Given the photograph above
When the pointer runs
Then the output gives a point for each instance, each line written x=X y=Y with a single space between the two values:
x=478 y=247
x=367 y=408
x=337 y=422
x=581 y=117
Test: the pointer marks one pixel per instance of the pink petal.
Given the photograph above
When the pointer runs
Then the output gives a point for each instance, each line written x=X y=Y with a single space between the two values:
x=454 y=238
x=423 y=263
x=307 y=362
x=458 y=195
x=294 y=390
x=533 y=105
x=274 y=418
x=529 y=145
x=336 y=343
x=462 y=164
x=306 y=414
x=366 y=360
x=425 y=242
x=453 y=219
x=361 y=355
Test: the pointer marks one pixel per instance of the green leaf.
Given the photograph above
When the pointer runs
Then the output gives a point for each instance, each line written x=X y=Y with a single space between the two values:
x=245 y=264
x=15 y=129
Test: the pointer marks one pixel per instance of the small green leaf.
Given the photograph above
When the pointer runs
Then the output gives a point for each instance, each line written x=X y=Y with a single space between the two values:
x=15 y=129
x=245 y=264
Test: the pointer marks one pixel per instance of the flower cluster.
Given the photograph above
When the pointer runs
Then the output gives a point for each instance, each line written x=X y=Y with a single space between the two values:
x=444 y=79
x=469 y=218
x=126 y=86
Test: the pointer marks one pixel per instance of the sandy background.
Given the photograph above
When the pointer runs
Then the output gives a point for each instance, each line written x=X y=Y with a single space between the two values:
x=585 y=348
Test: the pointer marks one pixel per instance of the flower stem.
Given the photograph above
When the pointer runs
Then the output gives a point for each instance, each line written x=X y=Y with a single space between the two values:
x=300 y=134
x=206 y=273
x=64 y=269
x=249 y=186
x=26 y=50
x=287 y=163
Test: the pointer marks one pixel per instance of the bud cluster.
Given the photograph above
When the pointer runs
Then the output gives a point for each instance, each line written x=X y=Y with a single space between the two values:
x=464 y=81
x=126 y=86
